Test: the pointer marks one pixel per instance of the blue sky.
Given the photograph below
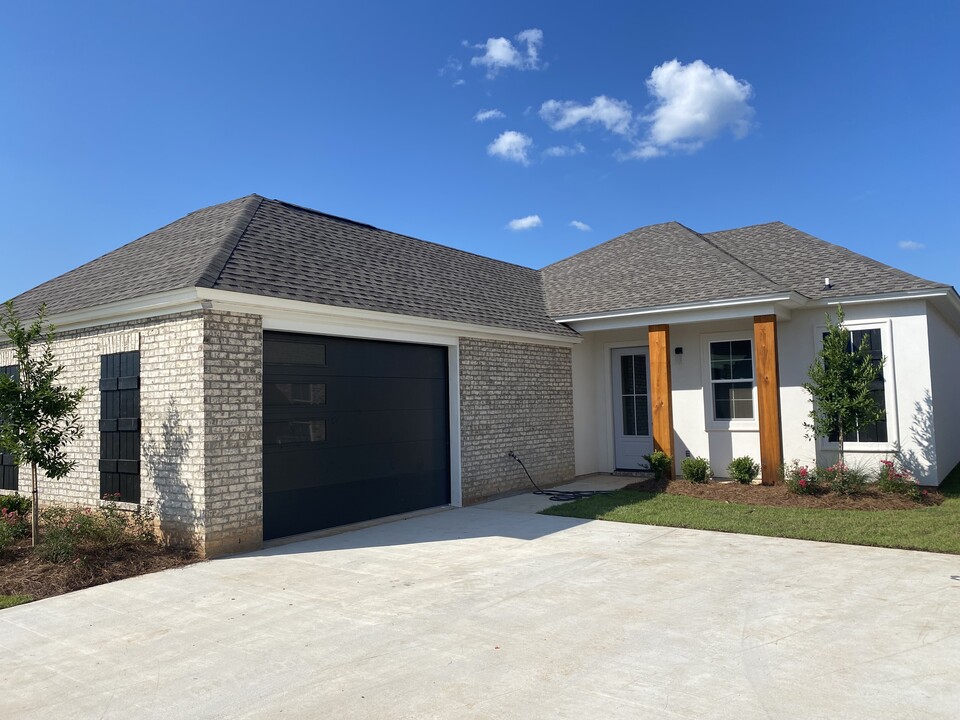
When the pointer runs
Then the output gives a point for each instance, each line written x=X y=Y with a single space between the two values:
x=838 y=118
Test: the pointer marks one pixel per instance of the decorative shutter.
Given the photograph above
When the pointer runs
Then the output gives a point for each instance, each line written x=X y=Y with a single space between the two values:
x=120 y=426
x=9 y=472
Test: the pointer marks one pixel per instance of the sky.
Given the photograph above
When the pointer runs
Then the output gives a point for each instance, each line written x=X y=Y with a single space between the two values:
x=525 y=131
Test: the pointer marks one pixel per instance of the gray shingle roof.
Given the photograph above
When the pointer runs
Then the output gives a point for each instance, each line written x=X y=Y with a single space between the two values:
x=657 y=265
x=800 y=262
x=267 y=247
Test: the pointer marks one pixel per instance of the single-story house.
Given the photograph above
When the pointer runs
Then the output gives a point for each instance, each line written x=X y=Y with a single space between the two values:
x=258 y=369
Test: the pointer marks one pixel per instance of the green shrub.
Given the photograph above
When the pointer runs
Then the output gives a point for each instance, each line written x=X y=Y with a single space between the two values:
x=70 y=531
x=891 y=479
x=695 y=469
x=743 y=469
x=842 y=479
x=58 y=545
x=800 y=481
x=19 y=504
x=659 y=462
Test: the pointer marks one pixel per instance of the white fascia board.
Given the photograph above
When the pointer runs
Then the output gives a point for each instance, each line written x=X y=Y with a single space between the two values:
x=779 y=305
x=300 y=316
x=946 y=300
x=140 y=308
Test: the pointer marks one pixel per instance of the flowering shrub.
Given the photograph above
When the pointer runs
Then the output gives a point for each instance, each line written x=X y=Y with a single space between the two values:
x=800 y=480
x=842 y=479
x=891 y=479
x=69 y=530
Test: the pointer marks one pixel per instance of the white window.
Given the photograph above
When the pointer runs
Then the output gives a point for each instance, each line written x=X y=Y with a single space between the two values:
x=728 y=382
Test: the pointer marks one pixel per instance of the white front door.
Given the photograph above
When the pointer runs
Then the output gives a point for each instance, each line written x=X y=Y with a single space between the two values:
x=631 y=408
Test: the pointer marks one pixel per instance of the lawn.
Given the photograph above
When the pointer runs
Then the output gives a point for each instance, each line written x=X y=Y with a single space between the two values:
x=935 y=529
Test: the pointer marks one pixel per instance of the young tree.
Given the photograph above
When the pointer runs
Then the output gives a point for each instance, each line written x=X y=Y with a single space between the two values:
x=38 y=416
x=841 y=381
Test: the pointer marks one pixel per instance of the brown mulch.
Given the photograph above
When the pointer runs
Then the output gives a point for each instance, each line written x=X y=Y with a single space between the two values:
x=779 y=496
x=24 y=573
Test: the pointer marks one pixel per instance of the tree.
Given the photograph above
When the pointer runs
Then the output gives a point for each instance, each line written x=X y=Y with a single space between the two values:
x=841 y=383
x=38 y=416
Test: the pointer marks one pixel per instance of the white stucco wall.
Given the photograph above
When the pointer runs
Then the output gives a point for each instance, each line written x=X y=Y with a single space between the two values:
x=944 y=361
x=905 y=330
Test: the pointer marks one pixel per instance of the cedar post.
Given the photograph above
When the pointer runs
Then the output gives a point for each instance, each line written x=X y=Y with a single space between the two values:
x=768 y=397
x=660 y=389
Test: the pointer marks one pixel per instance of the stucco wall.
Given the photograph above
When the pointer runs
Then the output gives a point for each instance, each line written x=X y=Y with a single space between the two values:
x=514 y=396
x=944 y=362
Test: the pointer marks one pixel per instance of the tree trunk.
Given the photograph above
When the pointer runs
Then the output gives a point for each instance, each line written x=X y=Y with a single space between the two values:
x=35 y=525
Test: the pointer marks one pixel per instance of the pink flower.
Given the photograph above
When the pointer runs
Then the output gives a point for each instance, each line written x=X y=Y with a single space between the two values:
x=802 y=482
x=803 y=472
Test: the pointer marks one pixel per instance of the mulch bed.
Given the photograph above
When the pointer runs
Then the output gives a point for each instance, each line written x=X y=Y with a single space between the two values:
x=780 y=496
x=24 y=573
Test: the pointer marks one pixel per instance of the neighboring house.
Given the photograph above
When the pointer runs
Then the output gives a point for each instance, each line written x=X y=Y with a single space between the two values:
x=257 y=369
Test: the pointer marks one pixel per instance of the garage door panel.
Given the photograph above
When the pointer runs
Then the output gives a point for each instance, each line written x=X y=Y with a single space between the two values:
x=353 y=430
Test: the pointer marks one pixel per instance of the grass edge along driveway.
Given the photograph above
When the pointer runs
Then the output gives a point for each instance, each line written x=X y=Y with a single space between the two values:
x=934 y=529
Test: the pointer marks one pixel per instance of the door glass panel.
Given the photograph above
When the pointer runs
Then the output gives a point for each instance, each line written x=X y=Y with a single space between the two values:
x=626 y=373
x=629 y=415
x=633 y=378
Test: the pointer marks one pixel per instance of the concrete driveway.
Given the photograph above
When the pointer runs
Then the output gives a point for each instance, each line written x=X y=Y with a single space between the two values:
x=491 y=612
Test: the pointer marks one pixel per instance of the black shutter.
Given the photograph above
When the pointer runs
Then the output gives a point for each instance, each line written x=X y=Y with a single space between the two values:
x=9 y=472
x=120 y=426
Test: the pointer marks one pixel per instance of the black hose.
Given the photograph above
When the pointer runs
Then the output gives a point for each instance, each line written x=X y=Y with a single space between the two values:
x=558 y=495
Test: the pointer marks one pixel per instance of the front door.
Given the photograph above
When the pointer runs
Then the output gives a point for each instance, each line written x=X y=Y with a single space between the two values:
x=631 y=408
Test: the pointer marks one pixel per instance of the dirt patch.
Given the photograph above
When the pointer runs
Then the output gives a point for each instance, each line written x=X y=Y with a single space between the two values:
x=780 y=496
x=22 y=572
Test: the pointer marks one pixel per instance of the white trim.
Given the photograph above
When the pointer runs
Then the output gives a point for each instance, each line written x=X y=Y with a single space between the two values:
x=453 y=407
x=141 y=308
x=710 y=424
x=685 y=314
x=684 y=307
x=885 y=325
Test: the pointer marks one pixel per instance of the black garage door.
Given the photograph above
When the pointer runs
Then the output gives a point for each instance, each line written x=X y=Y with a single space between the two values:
x=352 y=430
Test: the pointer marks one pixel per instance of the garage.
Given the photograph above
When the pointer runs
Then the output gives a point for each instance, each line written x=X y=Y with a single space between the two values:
x=352 y=430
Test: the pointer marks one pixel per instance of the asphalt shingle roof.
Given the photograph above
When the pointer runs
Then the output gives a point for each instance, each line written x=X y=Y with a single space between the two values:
x=657 y=265
x=271 y=248
x=800 y=262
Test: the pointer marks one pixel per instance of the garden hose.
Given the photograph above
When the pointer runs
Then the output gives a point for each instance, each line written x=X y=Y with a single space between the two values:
x=558 y=495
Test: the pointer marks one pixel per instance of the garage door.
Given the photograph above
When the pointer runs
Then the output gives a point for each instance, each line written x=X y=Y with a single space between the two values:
x=352 y=430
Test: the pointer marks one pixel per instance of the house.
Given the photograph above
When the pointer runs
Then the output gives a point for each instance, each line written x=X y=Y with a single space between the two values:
x=258 y=369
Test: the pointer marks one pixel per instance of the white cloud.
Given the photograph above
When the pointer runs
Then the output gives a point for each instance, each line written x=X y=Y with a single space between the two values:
x=615 y=115
x=580 y=225
x=452 y=69
x=694 y=103
x=484 y=115
x=511 y=145
x=565 y=150
x=499 y=53
x=910 y=245
x=525 y=223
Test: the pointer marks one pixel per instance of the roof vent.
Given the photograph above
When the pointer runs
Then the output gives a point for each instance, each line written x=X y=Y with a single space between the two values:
x=827 y=285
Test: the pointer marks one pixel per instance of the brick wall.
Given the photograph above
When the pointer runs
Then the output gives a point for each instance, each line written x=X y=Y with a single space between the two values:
x=514 y=396
x=233 y=431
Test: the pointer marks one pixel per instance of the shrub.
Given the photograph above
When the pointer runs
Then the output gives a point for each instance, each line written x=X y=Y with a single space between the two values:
x=70 y=531
x=8 y=536
x=695 y=469
x=659 y=461
x=842 y=479
x=19 y=504
x=743 y=469
x=800 y=480
x=891 y=479
x=58 y=545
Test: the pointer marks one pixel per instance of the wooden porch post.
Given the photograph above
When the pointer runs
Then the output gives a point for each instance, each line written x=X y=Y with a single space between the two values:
x=768 y=397
x=660 y=389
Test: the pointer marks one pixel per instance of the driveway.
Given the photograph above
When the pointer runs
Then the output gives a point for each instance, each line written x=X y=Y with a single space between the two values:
x=492 y=612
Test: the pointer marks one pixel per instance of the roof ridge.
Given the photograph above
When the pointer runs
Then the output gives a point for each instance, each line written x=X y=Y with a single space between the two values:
x=611 y=240
x=228 y=245
x=733 y=257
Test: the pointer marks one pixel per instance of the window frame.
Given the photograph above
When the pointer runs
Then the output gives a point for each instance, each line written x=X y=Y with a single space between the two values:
x=709 y=408
x=892 y=444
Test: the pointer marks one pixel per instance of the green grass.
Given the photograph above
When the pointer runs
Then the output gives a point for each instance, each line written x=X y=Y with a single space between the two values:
x=935 y=529
x=11 y=600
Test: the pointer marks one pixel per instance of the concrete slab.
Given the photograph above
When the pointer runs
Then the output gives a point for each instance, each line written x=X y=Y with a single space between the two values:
x=487 y=613
x=528 y=502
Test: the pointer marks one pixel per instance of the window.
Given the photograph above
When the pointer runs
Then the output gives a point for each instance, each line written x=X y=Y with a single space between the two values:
x=9 y=472
x=731 y=379
x=875 y=431
x=633 y=389
x=120 y=426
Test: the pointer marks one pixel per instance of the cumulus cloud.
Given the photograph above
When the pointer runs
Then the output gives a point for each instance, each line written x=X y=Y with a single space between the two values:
x=580 y=225
x=525 y=223
x=910 y=245
x=511 y=145
x=484 y=115
x=451 y=69
x=695 y=103
x=615 y=115
x=500 y=53
x=565 y=150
